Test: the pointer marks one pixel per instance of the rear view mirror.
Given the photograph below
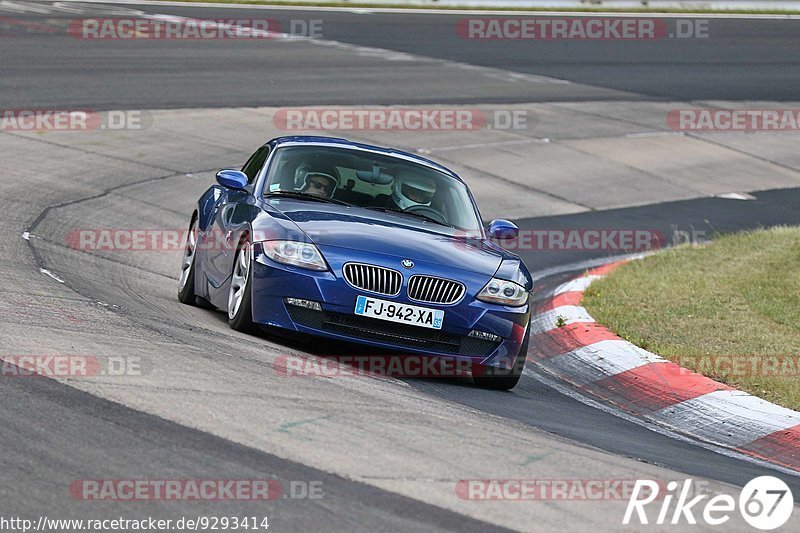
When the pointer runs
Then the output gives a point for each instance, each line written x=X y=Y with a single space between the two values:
x=503 y=229
x=375 y=177
x=232 y=179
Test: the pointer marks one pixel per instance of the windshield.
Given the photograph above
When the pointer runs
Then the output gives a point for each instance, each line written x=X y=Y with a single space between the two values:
x=371 y=181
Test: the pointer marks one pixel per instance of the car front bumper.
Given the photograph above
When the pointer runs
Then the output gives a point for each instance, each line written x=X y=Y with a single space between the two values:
x=273 y=283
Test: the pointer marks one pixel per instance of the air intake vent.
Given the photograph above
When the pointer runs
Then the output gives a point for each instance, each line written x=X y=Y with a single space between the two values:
x=429 y=289
x=373 y=278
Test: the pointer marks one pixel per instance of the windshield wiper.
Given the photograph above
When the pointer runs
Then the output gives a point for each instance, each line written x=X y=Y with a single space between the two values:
x=304 y=196
x=409 y=213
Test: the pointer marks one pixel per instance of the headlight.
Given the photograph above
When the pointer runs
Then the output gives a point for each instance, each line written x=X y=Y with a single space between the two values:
x=500 y=291
x=299 y=254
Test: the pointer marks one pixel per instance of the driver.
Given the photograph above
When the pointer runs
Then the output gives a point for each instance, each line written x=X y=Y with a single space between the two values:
x=320 y=181
x=411 y=190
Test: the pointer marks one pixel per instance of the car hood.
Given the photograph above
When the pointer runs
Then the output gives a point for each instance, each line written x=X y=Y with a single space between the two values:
x=388 y=234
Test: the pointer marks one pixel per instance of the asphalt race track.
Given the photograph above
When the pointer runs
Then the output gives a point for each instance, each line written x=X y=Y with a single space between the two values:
x=596 y=152
x=124 y=76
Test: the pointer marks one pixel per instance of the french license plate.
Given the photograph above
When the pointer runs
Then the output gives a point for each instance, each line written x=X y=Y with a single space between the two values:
x=396 y=312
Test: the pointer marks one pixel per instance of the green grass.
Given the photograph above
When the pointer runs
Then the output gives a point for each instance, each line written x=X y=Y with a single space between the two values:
x=739 y=296
x=472 y=8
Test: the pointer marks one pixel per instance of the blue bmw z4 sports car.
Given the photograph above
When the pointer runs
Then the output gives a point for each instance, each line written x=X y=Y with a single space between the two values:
x=330 y=238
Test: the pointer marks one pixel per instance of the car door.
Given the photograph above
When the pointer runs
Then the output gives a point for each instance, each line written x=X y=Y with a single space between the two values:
x=232 y=212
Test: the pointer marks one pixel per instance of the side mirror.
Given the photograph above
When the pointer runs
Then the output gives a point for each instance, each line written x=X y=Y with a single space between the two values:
x=503 y=229
x=232 y=179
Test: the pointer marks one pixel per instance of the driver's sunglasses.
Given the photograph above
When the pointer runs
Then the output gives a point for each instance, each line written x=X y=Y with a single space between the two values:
x=320 y=184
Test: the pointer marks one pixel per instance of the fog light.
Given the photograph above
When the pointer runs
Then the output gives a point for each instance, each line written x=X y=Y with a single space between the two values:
x=308 y=304
x=484 y=336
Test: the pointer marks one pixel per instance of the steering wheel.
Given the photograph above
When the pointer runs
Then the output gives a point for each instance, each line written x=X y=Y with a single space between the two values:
x=428 y=212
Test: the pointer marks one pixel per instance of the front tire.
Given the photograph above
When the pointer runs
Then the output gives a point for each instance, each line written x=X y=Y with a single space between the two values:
x=501 y=379
x=240 y=303
x=186 y=293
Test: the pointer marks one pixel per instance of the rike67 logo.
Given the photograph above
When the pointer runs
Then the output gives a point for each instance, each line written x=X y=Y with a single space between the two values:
x=766 y=503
